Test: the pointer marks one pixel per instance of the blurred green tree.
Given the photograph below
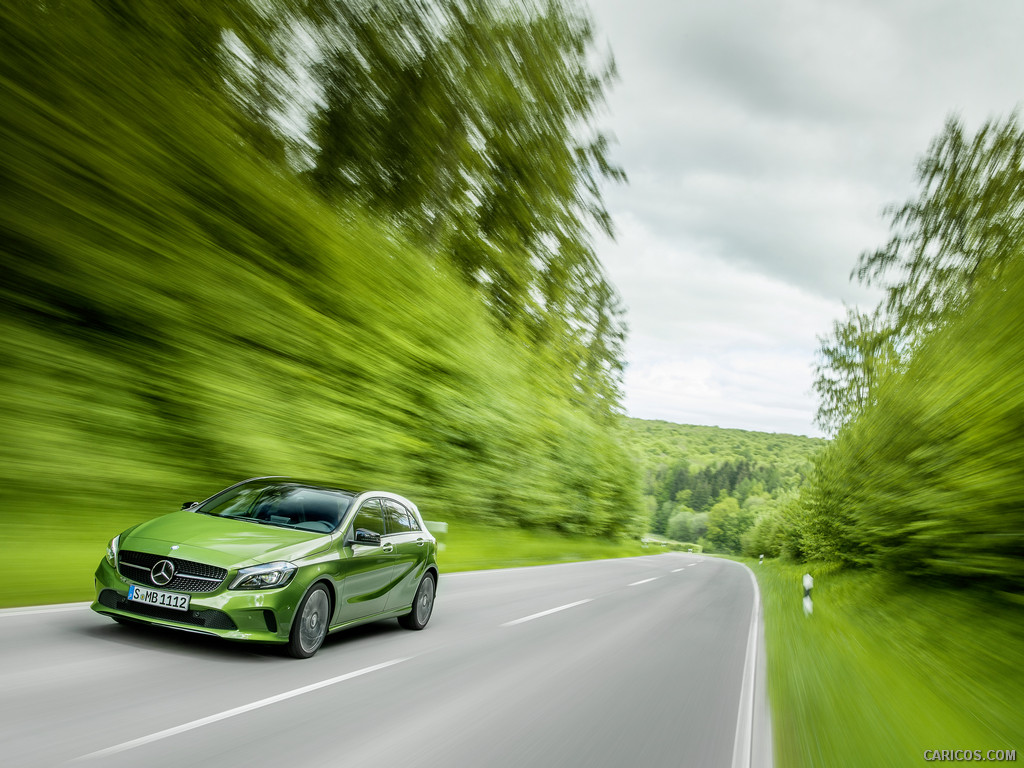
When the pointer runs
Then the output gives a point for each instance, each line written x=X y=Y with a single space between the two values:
x=470 y=126
x=181 y=310
x=727 y=522
x=960 y=231
x=923 y=477
x=955 y=236
x=858 y=353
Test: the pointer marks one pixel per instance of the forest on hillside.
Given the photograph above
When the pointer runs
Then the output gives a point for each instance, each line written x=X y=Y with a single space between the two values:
x=338 y=240
x=924 y=393
x=720 y=488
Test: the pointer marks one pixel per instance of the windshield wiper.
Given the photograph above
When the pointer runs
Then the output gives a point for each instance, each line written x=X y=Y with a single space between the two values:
x=257 y=520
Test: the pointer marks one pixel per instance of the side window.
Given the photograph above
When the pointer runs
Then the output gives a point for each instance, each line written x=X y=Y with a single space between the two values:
x=370 y=517
x=399 y=519
x=414 y=523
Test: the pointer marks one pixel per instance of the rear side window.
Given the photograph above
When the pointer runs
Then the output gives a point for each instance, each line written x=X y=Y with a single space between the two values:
x=399 y=519
x=370 y=517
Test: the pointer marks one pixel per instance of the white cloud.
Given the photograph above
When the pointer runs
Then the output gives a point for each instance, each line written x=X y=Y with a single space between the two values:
x=762 y=139
x=737 y=390
x=712 y=342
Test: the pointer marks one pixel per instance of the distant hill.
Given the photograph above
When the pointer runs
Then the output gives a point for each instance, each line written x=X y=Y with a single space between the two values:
x=662 y=441
x=691 y=472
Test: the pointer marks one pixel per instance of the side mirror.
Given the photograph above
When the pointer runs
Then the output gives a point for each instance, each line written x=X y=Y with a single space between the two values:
x=363 y=536
x=189 y=504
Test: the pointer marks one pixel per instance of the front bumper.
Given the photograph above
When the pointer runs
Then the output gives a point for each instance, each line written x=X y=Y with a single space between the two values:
x=252 y=615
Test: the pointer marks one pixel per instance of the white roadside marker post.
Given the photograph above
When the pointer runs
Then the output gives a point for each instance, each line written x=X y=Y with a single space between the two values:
x=808 y=585
x=761 y=561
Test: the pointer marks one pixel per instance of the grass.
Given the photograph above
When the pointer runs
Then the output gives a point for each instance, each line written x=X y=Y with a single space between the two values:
x=679 y=546
x=61 y=553
x=469 y=547
x=884 y=670
x=51 y=558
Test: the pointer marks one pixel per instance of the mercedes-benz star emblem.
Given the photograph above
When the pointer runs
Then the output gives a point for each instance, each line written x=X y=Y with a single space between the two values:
x=162 y=573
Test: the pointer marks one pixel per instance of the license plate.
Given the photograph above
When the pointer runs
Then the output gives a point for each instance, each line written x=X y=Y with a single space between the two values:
x=156 y=597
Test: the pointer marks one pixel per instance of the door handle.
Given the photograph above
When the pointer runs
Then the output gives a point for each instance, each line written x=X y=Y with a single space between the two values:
x=387 y=547
x=420 y=542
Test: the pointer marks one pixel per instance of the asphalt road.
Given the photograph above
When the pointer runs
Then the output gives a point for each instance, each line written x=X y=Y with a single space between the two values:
x=650 y=661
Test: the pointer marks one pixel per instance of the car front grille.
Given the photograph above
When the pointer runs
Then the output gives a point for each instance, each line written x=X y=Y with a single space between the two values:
x=189 y=576
x=206 y=617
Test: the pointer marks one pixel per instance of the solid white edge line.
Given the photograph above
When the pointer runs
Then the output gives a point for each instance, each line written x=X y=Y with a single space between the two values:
x=33 y=609
x=642 y=581
x=533 y=616
x=232 y=712
x=742 y=754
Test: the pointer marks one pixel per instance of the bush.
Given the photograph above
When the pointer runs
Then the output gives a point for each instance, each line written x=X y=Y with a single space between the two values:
x=929 y=480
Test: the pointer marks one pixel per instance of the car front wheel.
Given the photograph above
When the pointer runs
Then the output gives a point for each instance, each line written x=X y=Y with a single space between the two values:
x=422 y=606
x=310 y=625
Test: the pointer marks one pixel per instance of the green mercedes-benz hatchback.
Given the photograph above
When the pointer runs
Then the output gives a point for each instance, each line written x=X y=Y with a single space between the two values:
x=274 y=560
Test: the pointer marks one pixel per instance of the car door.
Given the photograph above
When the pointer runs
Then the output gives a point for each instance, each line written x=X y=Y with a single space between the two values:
x=411 y=547
x=368 y=568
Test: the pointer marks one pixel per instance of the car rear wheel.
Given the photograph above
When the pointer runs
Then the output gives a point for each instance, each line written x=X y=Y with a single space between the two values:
x=422 y=606
x=310 y=625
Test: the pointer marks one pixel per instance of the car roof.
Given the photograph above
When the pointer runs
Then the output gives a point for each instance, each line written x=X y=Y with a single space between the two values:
x=327 y=486
x=305 y=482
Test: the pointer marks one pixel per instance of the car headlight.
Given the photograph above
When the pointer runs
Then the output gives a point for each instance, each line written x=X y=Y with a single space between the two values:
x=266 y=576
x=112 y=550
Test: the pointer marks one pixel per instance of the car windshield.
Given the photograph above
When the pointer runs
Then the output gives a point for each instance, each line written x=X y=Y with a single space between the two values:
x=287 y=505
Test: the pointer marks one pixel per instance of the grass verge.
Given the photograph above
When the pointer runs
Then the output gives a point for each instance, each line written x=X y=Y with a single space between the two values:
x=471 y=547
x=58 y=555
x=884 y=670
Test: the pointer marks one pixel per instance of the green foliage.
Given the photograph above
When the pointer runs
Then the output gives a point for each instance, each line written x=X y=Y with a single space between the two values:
x=727 y=523
x=671 y=544
x=929 y=480
x=180 y=312
x=475 y=547
x=469 y=125
x=687 y=525
x=859 y=352
x=660 y=444
x=924 y=476
x=687 y=469
x=660 y=515
x=961 y=230
x=953 y=239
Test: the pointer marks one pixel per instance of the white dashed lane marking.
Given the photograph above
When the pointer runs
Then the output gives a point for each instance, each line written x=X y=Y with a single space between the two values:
x=643 y=581
x=548 y=612
x=236 y=711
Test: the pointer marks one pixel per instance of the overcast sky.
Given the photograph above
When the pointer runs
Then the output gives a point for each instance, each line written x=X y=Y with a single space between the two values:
x=762 y=140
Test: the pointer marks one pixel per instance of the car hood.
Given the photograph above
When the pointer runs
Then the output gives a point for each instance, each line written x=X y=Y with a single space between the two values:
x=222 y=541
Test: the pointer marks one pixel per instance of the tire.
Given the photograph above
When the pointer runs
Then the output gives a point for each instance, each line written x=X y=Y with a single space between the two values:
x=309 y=627
x=422 y=606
